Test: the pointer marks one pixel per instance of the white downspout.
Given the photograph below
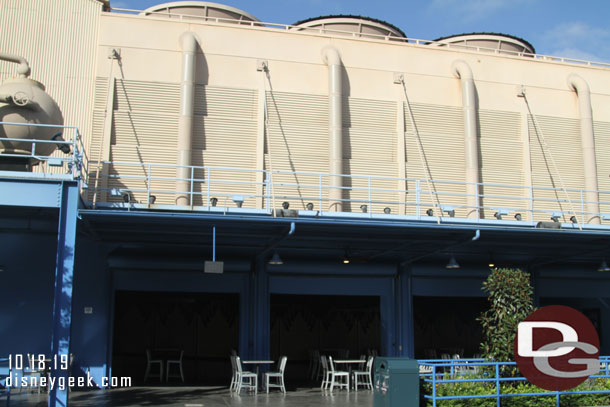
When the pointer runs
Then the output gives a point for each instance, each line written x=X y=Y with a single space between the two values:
x=587 y=139
x=331 y=57
x=462 y=70
x=188 y=43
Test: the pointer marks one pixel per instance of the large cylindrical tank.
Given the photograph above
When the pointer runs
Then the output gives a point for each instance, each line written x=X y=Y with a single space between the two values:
x=492 y=42
x=352 y=26
x=202 y=11
x=23 y=100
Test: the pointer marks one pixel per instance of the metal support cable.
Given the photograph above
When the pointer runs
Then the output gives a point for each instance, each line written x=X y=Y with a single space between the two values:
x=420 y=148
x=266 y=136
x=547 y=150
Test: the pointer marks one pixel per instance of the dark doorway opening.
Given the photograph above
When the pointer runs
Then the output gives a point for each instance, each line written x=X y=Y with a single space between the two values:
x=204 y=325
x=447 y=325
x=339 y=326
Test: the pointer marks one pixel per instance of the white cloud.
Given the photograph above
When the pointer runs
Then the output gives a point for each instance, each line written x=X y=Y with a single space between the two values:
x=577 y=40
x=473 y=10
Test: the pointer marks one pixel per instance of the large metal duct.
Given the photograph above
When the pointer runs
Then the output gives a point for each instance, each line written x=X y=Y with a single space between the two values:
x=587 y=138
x=331 y=57
x=188 y=43
x=471 y=147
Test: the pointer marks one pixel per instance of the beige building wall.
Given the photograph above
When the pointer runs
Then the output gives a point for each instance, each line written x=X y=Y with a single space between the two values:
x=58 y=38
x=389 y=130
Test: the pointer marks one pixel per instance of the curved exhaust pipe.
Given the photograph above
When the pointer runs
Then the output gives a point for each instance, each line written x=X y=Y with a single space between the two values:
x=587 y=138
x=24 y=67
x=188 y=43
x=461 y=70
x=331 y=57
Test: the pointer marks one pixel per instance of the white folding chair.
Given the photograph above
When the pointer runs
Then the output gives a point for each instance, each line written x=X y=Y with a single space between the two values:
x=337 y=374
x=365 y=374
x=177 y=362
x=150 y=362
x=325 y=372
x=279 y=375
x=233 y=385
x=33 y=372
x=251 y=378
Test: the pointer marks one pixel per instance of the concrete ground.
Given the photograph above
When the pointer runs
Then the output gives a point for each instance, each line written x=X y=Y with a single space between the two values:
x=200 y=397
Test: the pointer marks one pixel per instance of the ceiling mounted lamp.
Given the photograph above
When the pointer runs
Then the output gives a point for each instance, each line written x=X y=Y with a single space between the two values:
x=453 y=264
x=276 y=259
x=603 y=267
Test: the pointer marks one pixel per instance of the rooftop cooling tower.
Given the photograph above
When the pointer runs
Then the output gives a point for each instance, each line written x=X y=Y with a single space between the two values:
x=487 y=42
x=352 y=26
x=200 y=10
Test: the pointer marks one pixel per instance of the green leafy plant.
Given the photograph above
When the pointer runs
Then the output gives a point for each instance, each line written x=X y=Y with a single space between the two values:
x=510 y=302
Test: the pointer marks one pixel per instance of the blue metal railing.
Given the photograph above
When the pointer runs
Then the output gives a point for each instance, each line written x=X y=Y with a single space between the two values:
x=5 y=391
x=444 y=372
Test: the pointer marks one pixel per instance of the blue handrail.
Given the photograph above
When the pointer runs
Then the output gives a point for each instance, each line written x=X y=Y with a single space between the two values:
x=439 y=372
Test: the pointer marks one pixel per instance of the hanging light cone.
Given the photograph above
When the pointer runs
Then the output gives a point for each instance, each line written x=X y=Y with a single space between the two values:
x=603 y=267
x=453 y=264
x=276 y=259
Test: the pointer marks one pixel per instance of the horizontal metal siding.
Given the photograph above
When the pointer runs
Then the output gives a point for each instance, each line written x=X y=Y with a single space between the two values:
x=563 y=140
x=501 y=158
x=369 y=148
x=602 y=152
x=441 y=130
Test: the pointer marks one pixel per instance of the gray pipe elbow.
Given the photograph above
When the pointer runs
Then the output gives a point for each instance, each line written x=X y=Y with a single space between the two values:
x=578 y=84
x=24 y=68
x=330 y=55
x=188 y=42
x=461 y=69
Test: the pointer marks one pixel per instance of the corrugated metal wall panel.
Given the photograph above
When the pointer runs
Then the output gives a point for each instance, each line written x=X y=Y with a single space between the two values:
x=563 y=140
x=602 y=152
x=147 y=96
x=501 y=158
x=28 y=27
x=441 y=130
x=229 y=102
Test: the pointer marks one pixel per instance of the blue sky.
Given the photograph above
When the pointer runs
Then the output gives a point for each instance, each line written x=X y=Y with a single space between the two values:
x=568 y=28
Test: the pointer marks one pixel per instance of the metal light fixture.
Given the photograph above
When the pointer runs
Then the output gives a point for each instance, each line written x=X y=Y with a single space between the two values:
x=491 y=263
x=239 y=200
x=387 y=210
x=430 y=212
x=500 y=212
x=518 y=216
x=309 y=206
x=285 y=204
x=213 y=201
x=453 y=264
x=573 y=219
x=556 y=215
x=346 y=260
x=152 y=199
x=449 y=210
x=276 y=259
x=126 y=197
x=603 y=267
x=364 y=208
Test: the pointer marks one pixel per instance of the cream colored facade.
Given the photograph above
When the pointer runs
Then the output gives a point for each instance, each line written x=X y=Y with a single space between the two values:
x=277 y=119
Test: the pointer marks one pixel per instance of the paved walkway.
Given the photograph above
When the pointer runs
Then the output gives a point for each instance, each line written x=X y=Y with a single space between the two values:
x=200 y=397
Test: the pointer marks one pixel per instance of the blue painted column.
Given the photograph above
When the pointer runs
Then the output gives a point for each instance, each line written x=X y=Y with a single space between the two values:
x=62 y=302
x=404 y=302
x=261 y=309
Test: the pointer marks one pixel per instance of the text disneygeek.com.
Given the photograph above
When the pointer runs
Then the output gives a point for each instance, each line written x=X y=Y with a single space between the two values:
x=21 y=367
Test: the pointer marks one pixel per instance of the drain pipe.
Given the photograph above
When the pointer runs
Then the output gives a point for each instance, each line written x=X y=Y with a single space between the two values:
x=24 y=68
x=575 y=82
x=188 y=43
x=462 y=70
x=279 y=240
x=331 y=57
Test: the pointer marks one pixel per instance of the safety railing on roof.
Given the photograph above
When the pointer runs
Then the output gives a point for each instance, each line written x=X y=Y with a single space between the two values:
x=366 y=36
x=155 y=186
x=69 y=158
x=495 y=381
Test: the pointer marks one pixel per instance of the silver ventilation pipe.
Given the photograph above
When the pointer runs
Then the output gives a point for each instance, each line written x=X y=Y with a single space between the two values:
x=462 y=70
x=331 y=57
x=188 y=43
x=24 y=67
x=587 y=139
